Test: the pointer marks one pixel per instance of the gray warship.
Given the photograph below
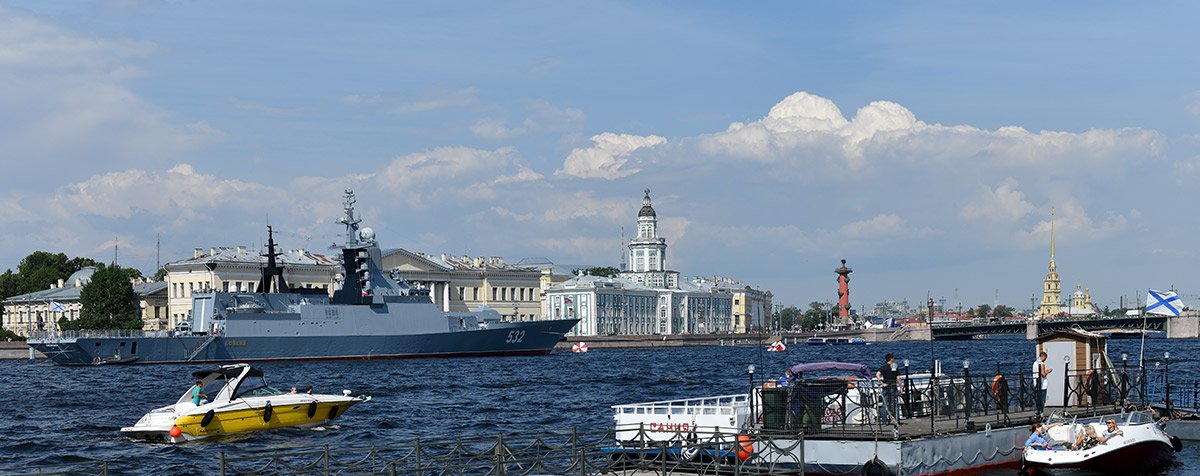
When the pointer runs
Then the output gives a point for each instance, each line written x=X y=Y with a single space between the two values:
x=372 y=316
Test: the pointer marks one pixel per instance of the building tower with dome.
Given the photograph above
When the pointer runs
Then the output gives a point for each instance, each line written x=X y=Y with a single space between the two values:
x=648 y=252
x=1051 y=286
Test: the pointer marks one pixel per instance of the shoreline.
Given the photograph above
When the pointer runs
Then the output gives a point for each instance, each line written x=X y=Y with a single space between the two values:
x=718 y=340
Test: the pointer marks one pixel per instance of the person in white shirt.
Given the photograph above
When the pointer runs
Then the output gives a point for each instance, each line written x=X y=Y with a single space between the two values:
x=1041 y=370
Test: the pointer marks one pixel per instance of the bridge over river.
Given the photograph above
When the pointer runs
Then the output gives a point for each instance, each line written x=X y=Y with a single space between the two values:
x=1034 y=328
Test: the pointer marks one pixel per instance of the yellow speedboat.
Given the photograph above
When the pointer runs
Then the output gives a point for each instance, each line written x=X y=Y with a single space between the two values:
x=236 y=399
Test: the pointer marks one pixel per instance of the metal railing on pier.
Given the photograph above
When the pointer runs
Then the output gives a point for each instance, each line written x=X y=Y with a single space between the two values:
x=561 y=453
x=859 y=408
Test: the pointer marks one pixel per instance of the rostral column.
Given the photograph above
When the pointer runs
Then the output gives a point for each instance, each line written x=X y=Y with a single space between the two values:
x=844 y=293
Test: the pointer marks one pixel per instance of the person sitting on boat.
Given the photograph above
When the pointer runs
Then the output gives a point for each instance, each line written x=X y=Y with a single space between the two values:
x=1037 y=439
x=1111 y=431
x=787 y=378
x=1087 y=439
x=198 y=397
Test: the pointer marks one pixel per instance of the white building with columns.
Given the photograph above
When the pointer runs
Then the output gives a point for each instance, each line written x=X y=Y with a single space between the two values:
x=648 y=298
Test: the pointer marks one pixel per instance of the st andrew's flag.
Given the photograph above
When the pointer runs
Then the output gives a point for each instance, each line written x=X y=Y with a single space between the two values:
x=56 y=306
x=1163 y=303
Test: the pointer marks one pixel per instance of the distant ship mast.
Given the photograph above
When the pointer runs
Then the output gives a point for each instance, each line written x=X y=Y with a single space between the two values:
x=349 y=219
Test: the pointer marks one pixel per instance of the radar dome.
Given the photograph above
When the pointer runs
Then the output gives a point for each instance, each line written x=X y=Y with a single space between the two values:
x=366 y=234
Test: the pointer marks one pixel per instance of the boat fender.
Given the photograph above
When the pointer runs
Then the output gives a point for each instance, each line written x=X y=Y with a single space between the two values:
x=874 y=467
x=745 y=447
x=208 y=418
x=175 y=432
x=312 y=410
x=333 y=412
x=267 y=411
x=1176 y=444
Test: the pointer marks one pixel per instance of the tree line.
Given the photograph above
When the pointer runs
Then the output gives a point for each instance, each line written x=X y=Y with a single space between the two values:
x=108 y=300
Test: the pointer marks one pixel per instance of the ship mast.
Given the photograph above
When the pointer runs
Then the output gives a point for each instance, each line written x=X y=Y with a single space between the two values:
x=349 y=219
x=272 y=270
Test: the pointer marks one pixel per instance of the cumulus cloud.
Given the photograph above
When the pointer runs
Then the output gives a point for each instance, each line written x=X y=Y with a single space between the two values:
x=443 y=163
x=1003 y=204
x=179 y=191
x=808 y=130
x=523 y=174
x=609 y=156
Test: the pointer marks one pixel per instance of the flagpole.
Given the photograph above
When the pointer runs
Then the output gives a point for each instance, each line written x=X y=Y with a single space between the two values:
x=1142 y=352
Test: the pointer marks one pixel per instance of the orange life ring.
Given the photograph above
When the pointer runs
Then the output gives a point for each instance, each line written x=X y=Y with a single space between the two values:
x=850 y=382
x=745 y=448
x=996 y=387
x=768 y=385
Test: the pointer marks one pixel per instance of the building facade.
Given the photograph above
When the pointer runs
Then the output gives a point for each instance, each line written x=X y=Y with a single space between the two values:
x=648 y=252
x=463 y=283
x=236 y=269
x=41 y=310
x=649 y=298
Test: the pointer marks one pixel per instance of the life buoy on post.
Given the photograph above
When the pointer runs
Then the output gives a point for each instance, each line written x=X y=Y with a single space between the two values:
x=745 y=447
x=996 y=386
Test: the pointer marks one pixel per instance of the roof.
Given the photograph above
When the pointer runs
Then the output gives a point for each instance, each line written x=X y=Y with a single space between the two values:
x=588 y=281
x=461 y=263
x=241 y=254
x=1072 y=334
x=647 y=210
x=70 y=292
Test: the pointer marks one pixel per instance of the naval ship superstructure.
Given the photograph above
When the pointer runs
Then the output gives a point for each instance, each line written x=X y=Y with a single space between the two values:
x=371 y=316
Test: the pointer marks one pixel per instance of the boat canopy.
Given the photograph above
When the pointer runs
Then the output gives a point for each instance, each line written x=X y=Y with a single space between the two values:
x=861 y=369
x=227 y=371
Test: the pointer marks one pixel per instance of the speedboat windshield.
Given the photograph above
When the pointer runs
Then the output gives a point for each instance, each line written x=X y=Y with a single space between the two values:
x=255 y=387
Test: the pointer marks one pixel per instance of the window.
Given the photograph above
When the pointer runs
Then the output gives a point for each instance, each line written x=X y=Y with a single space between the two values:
x=475 y=294
x=493 y=294
x=225 y=286
x=461 y=293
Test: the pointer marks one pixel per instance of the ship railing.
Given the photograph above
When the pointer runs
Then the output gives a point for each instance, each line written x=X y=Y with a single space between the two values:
x=573 y=452
x=68 y=336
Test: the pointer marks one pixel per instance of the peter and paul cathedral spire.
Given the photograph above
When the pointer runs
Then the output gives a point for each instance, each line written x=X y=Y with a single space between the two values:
x=1051 y=286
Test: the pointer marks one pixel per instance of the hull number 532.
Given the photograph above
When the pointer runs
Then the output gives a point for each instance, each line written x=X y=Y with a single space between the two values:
x=515 y=337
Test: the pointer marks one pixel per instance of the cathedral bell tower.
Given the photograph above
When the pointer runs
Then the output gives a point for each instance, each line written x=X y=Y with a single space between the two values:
x=1051 y=286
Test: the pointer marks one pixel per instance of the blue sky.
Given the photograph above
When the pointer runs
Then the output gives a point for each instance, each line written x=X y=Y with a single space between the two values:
x=925 y=143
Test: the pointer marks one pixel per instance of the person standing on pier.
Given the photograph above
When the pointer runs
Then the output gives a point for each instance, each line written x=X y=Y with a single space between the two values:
x=889 y=379
x=1041 y=372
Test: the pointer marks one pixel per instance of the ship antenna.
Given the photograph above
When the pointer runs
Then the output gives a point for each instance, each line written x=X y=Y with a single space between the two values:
x=349 y=219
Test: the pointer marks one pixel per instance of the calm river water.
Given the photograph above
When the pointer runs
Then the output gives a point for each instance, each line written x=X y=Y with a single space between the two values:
x=51 y=414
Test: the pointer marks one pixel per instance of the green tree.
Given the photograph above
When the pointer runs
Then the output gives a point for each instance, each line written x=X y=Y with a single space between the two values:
x=790 y=317
x=1003 y=311
x=108 y=301
x=983 y=310
x=816 y=314
x=604 y=271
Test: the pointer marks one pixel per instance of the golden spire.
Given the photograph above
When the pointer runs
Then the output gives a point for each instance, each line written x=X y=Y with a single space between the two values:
x=1052 y=234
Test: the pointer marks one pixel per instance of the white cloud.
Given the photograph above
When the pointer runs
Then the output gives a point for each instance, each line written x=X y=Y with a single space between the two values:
x=1072 y=225
x=428 y=168
x=804 y=130
x=609 y=157
x=1004 y=204
x=179 y=191
x=496 y=129
x=523 y=174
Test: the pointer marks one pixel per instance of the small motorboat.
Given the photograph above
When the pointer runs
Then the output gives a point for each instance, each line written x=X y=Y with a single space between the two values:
x=1141 y=446
x=239 y=401
x=836 y=341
